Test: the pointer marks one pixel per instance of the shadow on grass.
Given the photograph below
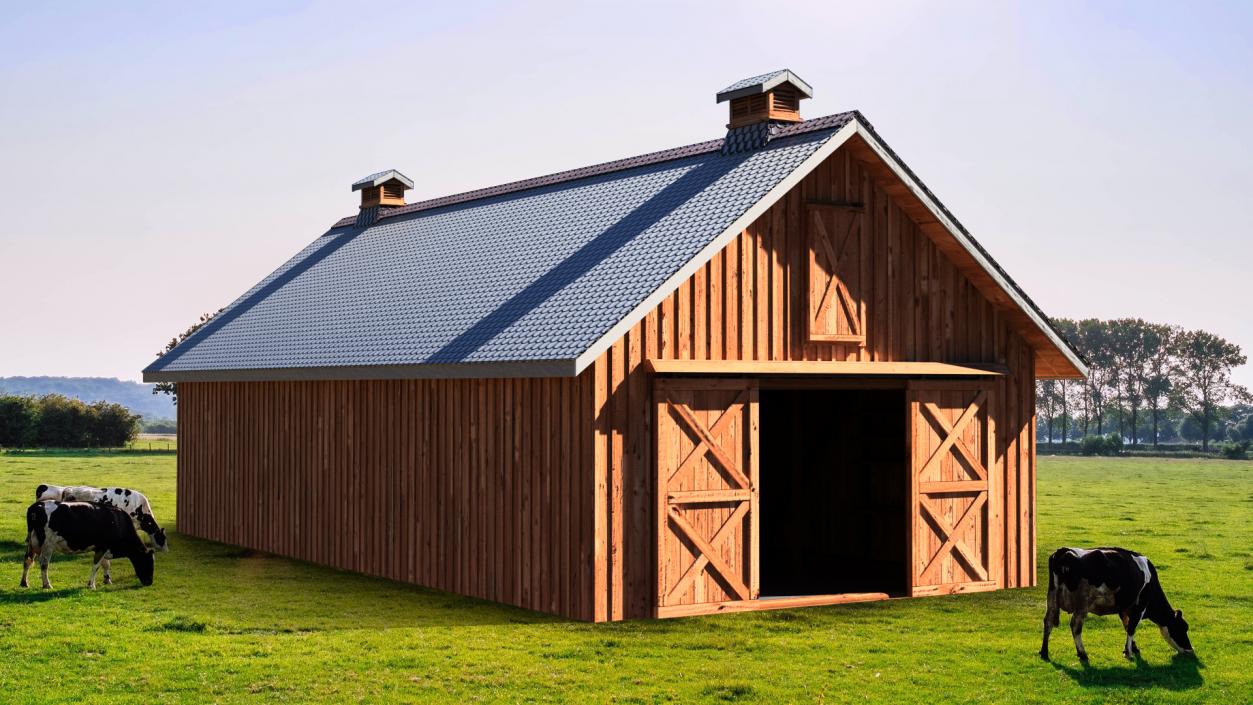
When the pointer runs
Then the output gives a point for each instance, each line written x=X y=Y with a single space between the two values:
x=253 y=592
x=1182 y=673
x=83 y=452
x=35 y=595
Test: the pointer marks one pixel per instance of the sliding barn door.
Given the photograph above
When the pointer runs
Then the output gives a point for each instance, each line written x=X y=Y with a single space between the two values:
x=955 y=508
x=706 y=493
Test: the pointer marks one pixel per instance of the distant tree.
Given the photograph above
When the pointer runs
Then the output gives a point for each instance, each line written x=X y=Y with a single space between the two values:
x=1141 y=357
x=63 y=422
x=112 y=425
x=159 y=426
x=1158 y=370
x=1047 y=404
x=19 y=422
x=1068 y=391
x=1238 y=430
x=171 y=388
x=1093 y=339
x=1120 y=337
x=1189 y=428
x=1072 y=398
x=1203 y=365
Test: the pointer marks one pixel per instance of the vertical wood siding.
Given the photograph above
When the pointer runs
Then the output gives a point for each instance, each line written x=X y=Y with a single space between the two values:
x=478 y=487
x=540 y=493
x=749 y=303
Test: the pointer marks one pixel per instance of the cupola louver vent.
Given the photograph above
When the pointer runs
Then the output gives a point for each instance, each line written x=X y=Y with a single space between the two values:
x=386 y=188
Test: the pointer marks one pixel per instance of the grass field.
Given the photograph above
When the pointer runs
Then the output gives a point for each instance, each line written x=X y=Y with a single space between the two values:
x=223 y=625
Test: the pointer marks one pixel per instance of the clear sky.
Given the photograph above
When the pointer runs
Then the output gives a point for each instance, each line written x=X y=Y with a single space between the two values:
x=157 y=160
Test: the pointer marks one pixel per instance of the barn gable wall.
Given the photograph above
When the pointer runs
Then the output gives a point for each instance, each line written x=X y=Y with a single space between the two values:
x=749 y=303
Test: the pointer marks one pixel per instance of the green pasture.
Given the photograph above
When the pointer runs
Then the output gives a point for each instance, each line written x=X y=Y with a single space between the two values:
x=224 y=625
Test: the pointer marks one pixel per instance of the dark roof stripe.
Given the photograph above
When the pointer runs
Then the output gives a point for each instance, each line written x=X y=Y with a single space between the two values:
x=822 y=123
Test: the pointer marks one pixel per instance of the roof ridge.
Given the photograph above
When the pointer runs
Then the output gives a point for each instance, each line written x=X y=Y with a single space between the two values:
x=649 y=158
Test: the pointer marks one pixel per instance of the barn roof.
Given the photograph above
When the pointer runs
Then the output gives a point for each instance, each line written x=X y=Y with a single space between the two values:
x=530 y=278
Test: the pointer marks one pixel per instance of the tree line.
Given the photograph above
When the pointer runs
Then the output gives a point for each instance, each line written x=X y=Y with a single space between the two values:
x=1147 y=382
x=58 y=421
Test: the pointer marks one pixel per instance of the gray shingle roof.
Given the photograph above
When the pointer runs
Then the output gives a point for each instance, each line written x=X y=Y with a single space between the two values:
x=763 y=83
x=535 y=271
x=381 y=178
x=523 y=279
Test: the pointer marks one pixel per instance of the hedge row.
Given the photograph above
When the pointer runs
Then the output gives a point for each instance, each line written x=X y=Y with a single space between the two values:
x=57 y=421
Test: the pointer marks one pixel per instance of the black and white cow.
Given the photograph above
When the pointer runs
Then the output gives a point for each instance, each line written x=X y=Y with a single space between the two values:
x=73 y=527
x=133 y=502
x=1109 y=581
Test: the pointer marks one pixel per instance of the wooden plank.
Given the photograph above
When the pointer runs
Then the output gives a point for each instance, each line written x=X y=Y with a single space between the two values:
x=957 y=486
x=836 y=205
x=773 y=603
x=752 y=449
x=954 y=588
x=708 y=496
x=786 y=367
x=618 y=459
x=600 y=467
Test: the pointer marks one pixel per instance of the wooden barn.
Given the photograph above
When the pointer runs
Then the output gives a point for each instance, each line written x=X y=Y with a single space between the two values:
x=766 y=370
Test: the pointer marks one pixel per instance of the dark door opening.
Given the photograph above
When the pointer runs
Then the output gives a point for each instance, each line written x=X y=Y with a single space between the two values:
x=833 y=491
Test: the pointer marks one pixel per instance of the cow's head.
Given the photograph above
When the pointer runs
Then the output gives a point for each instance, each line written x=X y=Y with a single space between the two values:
x=158 y=538
x=149 y=525
x=1070 y=570
x=1175 y=632
x=143 y=566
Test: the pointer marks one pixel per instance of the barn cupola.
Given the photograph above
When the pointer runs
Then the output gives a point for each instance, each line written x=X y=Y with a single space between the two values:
x=759 y=106
x=386 y=188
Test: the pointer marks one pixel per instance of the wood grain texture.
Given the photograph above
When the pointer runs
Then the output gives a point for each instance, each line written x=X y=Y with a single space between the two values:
x=707 y=491
x=919 y=306
x=469 y=486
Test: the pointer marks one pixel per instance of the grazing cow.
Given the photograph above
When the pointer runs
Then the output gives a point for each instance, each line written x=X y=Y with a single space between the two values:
x=73 y=527
x=1110 y=581
x=132 y=502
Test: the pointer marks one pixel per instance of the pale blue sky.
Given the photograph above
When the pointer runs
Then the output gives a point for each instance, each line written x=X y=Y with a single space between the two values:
x=158 y=159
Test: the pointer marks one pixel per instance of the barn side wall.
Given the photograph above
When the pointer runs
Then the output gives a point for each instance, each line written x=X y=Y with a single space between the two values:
x=472 y=486
x=749 y=303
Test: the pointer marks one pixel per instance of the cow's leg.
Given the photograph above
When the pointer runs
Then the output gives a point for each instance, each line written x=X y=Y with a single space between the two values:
x=44 y=558
x=30 y=558
x=95 y=566
x=1051 y=619
x=1076 y=630
x=1131 y=620
x=105 y=564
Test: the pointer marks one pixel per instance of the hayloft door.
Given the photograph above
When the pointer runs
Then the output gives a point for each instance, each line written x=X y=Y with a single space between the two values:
x=836 y=311
x=707 y=494
x=955 y=516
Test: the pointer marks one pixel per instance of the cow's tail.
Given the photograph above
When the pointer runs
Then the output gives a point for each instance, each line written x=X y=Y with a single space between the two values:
x=1052 y=572
x=1051 y=615
x=36 y=522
